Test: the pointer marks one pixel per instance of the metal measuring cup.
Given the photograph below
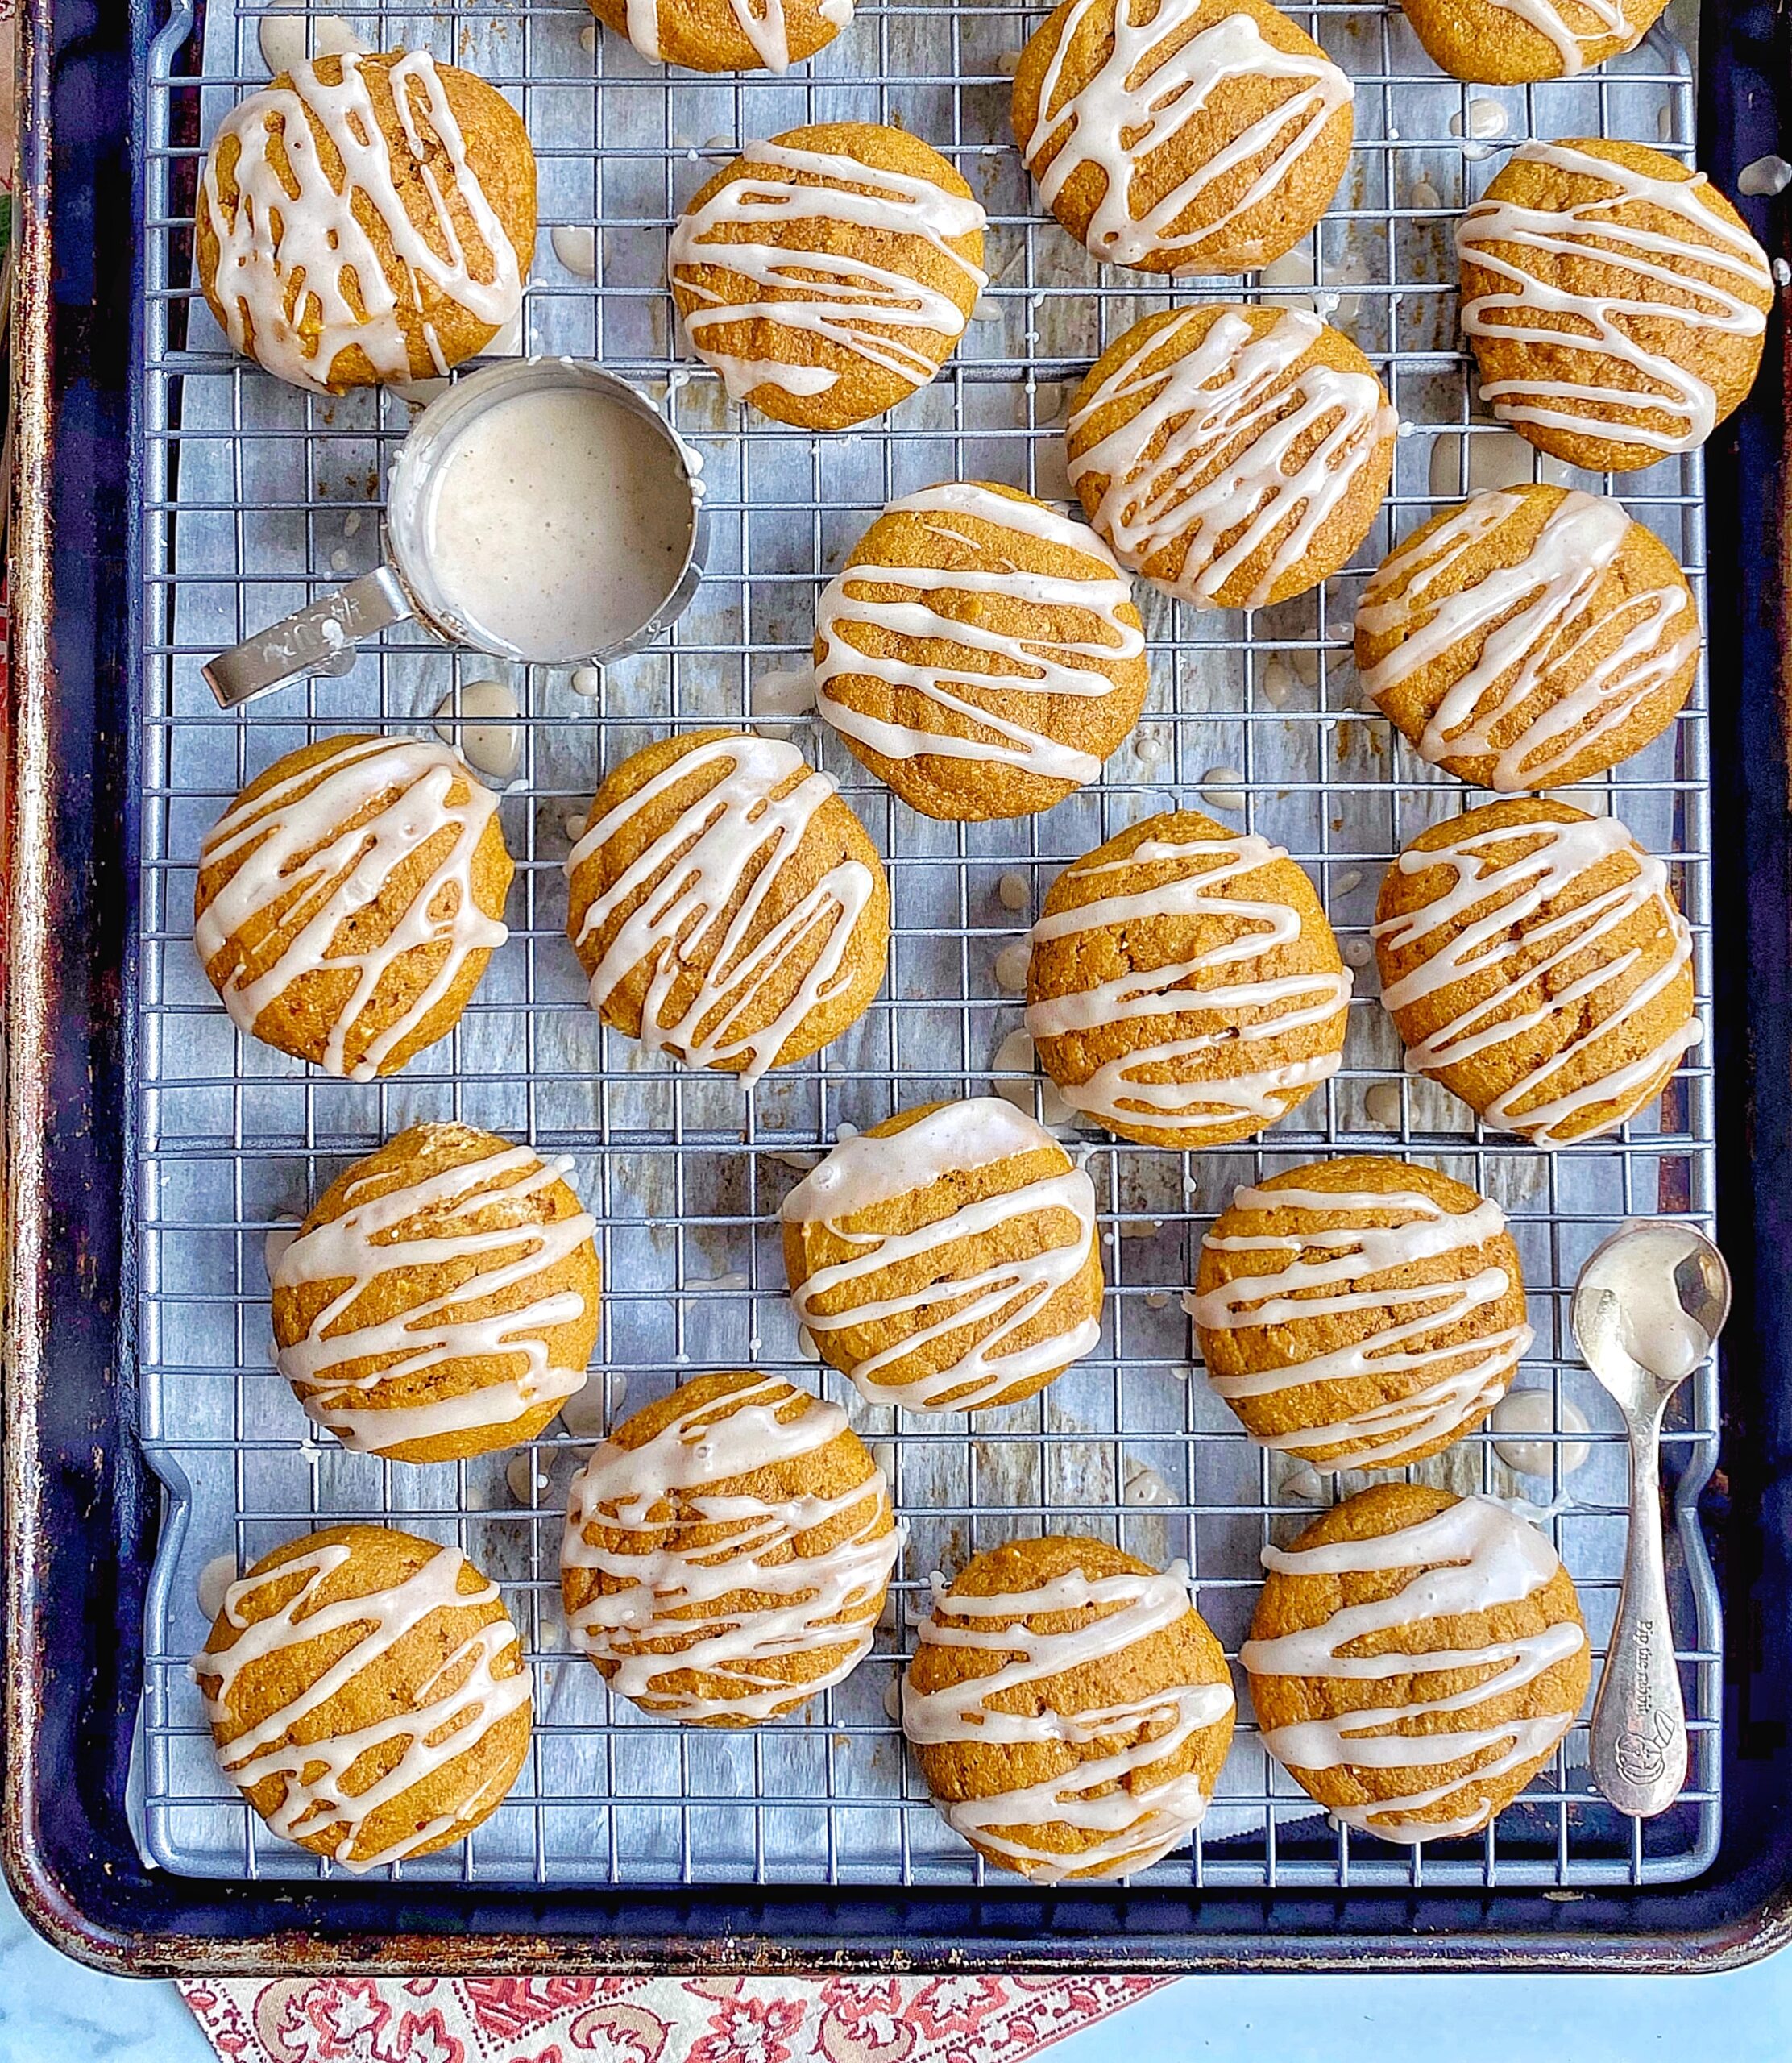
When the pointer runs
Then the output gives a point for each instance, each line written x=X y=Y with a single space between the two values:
x=321 y=637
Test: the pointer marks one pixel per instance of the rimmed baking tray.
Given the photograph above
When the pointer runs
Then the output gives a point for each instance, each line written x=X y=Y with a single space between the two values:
x=785 y=1853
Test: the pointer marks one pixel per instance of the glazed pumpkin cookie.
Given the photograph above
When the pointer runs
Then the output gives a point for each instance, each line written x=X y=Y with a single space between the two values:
x=726 y=1552
x=1234 y=456
x=1531 y=638
x=441 y=1298
x=727 y=905
x=1360 y=1313
x=1184 y=988
x=946 y=1259
x=979 y=652
x=363 y=219
x=825 y=275
x=1402 y=1619
x=1616 y=303
x=367 y=1693
x=1536 y=962
x=1510 y=42
x=348 y=899
x=1182 y=135
x=727 y=35
x=1069 y=1708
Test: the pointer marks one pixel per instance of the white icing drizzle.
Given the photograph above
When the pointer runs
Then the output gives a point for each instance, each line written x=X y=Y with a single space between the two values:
x=1470 y=1557
x=1233 y=406
x=269 y=277
x=1571 y=44
x=445 y=1717
x=358 y=1247
x=739 y=823
x=1594 y=230
x=1321 y=1278
x=1139 y=103
x=993 y=1302
x=290 y=838
x=768 y=32
x=1054 y=667
x=1505 y=937
x=1531 y=623
x=1135 y=1828
x=827 y=1601
x=854 y=303
x=1116 y=1094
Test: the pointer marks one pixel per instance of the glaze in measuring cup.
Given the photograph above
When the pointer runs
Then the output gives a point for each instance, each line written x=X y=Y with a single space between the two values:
x=321 y=637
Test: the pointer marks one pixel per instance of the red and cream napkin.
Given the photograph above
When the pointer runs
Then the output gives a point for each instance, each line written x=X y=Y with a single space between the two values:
x=650 y=2020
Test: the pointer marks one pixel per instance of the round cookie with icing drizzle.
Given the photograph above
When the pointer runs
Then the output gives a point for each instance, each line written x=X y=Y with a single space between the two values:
x=1535 y=961
x=1182 y=135
x=727 y=35
x=726 y=1552
x=1360 y=1313
x=1531 y=638
x=348 y=899
x=726 y=904
x=1616 y=303
x=947 y=1259
x=1069 y=1708
x=826 y=274
x=367 y=218
x=1184 y=988
x=1234 y=456
x=367 y=1694
x=441 y=1299
x=979 y=652
x=1512 y=43
x=1403 y=1623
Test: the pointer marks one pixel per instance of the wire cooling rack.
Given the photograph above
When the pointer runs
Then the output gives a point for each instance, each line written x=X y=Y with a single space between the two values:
x=259 y=498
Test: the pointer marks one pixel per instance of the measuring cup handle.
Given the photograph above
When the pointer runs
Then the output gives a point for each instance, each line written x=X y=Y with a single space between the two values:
x=317 y=640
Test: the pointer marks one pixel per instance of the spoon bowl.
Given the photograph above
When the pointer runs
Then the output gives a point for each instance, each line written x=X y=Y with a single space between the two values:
x=1646 y=1310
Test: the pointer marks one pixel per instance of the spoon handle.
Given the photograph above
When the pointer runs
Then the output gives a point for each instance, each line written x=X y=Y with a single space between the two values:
x=1639 y=1749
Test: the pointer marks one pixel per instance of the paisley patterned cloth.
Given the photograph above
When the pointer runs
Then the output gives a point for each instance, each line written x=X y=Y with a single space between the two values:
x=638 y=2019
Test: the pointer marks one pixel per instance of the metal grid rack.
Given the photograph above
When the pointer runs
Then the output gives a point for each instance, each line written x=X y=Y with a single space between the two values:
x=259 y=497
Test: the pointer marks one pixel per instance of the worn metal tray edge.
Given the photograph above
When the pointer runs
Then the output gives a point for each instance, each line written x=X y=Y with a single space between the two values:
x=80 y=1510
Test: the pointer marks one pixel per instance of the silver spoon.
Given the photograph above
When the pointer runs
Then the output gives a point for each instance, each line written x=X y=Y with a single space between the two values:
x=1646 y=1310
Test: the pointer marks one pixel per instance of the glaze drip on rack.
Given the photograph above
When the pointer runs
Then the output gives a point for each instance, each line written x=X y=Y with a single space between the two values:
x=1322 y=1270
x=1468 y=1560
x=1036 y=665
x=665 y=1609
x=446 y=1716
x=1131 y=1826
x=992 y=1303
x=370 y=1240
x=1206 y=458
x=283 y=254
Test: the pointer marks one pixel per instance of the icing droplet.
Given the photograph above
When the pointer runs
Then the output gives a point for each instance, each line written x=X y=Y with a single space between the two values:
x=1357 y=952
x=286 y=40
x=218 y=1574
x=1011 y=966
x=1423 y=194
x=1278 y=683
x=1764 y=177
x=1013 y=892
x=1159 y=1300
x=527 y=1480
x=476 y=720
x=1221 y=788
x=1533 y=1411
x=783 y=694
x=1143 y=1485
x=1382 y=1105
x=1015 y=1056
x=588 y=681
x=1485 y=118
x=575 y=245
